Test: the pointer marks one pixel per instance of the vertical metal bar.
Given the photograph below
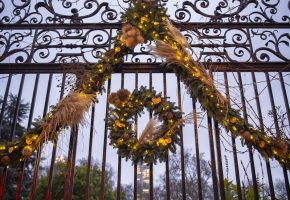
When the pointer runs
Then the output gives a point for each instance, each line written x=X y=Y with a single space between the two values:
x=4 y=173
x=68 y=187
x=14 y=122
x=87 y=184
x=102 y=190
x=53 y=157
x=212 y=158
x=219 y=160
x=285 y=96
x=288 y=116
x=5 y=99
x=197 y=149
x=252 y=163
x=119 y=157
x=219 y=157
x=151 y=165
x=3 y=177
x=136 y=131
x=38 y=155
x=33 y=101
x=21 y=171
x=276 y=123
x=258 y=105
x=167 y=156
x=181 y=143
x=236 y=163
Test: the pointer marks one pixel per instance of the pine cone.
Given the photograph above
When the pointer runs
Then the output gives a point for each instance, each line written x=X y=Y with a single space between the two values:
x=124 y=95
x=113 y=98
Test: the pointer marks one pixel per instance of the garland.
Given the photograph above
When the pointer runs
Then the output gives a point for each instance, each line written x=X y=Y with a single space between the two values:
x=143 y=22
x=155 y=140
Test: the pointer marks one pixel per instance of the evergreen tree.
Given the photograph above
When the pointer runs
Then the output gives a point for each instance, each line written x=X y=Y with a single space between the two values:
x=79 y=182
x=5 y=135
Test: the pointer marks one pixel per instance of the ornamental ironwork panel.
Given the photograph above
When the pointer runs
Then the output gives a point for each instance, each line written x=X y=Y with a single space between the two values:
x=253 y=34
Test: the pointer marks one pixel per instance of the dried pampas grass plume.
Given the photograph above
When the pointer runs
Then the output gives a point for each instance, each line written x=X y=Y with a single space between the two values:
x=176 y=34
x=152 y=128
x=69 y=112
x=180 y=55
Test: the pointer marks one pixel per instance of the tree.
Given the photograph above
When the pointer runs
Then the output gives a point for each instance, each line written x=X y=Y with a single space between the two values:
x=191 y=180
x=127 y=192
x=5 y=135
x=79 y=182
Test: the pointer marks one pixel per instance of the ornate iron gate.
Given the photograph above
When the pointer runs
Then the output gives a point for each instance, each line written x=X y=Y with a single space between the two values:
x=239 y=41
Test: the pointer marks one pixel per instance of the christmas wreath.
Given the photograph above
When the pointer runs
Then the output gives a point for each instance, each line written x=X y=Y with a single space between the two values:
x=161 y=133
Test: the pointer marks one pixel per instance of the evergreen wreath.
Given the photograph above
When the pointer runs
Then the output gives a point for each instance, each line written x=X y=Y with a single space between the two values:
x=160 y=134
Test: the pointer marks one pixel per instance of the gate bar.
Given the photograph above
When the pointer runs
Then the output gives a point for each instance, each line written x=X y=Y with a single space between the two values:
x=39 y=149
x=102 y=190
x=136 y=131
x=252 y=163
x=21 y=171
x=167 y=177
x=270 y=91
x=54 y=148
x=119 y=157
x=236 y=162
x=197 y=149
x=261 y=124
x=181 y=143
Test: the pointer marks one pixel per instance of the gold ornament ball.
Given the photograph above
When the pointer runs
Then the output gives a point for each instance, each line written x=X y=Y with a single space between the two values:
x=233 y=120
x=120 y=141
x=276 y=151
x=282 y=145
x=156 y=100
x=169 y=115
x=28 y=141
x=247 y=135
x=117 y=49
x=27 y=151
x=168 y=140
x=262 y=144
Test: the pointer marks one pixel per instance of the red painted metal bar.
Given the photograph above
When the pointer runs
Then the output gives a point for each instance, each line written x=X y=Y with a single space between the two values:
x=2 y=184
x=4 y=172
x=68 y=185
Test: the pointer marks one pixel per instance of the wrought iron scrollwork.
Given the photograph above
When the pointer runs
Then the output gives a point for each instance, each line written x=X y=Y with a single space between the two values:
x=72 y=31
